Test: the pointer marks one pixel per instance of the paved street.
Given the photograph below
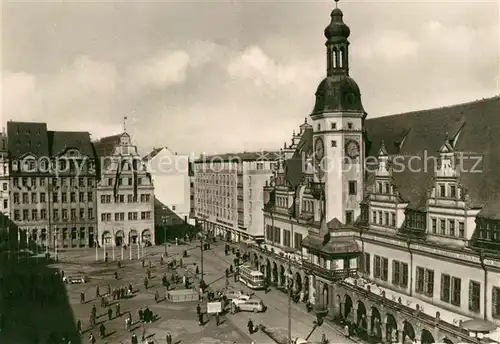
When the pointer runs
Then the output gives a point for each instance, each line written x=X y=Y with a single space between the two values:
x=276 y=316
x=177 y=318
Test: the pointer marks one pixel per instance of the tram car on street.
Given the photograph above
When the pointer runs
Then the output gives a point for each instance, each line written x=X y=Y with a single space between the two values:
x=74 y=279
x=253 y=279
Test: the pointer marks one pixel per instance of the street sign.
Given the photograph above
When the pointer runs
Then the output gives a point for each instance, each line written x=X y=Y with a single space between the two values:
x=214 y=307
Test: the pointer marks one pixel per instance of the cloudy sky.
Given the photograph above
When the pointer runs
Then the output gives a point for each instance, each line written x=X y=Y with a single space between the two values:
x=233 y=75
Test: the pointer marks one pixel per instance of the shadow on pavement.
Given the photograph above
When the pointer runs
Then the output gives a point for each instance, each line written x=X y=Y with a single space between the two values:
x=34 y=305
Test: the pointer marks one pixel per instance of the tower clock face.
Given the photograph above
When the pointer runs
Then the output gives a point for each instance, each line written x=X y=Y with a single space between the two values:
x=319 y=149
x=352 y=149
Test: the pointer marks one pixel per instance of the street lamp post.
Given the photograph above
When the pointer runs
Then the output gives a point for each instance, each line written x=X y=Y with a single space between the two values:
x=165 y=220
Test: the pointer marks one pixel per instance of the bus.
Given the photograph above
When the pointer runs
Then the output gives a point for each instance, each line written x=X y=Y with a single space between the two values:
x=253 y=279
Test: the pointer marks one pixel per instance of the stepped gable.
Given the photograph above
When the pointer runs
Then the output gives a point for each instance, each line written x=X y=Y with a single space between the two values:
x=471 y=128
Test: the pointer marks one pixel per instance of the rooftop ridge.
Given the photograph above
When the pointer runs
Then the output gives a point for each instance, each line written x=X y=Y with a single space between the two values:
x=496 y=97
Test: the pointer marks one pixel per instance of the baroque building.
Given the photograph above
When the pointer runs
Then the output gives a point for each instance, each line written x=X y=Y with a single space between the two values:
x=228 y=193
x=52 y=185
x=391 y=223
x=125 y=194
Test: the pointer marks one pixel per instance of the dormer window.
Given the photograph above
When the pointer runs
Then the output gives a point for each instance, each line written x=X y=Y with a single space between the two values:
x=349 y=125
x=453 y=191
x=334 y=126
x=442 y=190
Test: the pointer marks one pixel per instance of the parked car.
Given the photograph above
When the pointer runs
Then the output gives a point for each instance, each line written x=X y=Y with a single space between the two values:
x=252 y=305
x=233 y=294
x=241 y=299
x=74 y=279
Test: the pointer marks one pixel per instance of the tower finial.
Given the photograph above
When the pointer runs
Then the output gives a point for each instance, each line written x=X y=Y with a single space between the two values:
x=336 y=3
x=124 y=124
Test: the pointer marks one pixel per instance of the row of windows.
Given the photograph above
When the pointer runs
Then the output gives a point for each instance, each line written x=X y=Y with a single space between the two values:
x=273 y=234
x=308 y=206
x=24 y=198
x=282 y=202
x=333 y=126
x=447 y=190
x=131 y=216
x=145 y=198
x=61 y=181
x=384 y=218
x=129 y=181
x=35 y=214
x=61 y=165
x=451 y=286
x=448 y=227
x=224 y=179
x=384 y=188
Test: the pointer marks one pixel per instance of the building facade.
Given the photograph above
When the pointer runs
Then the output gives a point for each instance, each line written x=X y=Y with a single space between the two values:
x=125 y=195
x=52 y=184
x=170 y=172
x=392 y=222
x=4 y=175
x=228 y=193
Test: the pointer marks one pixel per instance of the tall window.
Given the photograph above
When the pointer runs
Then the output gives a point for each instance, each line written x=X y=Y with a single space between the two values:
x=366 y=263
x=385 y=269
x=399 y=273
x=378 y=267
x=456 y=286
x=445 y=287
x=424 y=282
x=474 y=296
x=352 y=187
x=495 y=308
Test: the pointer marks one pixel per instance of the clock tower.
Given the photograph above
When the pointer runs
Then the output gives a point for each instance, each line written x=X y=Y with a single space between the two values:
x=338 y=117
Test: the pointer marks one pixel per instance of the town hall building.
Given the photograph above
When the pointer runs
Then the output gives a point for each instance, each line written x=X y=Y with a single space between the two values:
x=391 y=223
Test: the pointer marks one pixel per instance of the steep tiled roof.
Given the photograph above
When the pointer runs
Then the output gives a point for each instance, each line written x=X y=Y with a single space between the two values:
x=106 y=146
x=152 y=154
x=27 y=137
x=413 y=136
x=59 y=141
x=422 y=133
x=245 y=156
x=294 y=166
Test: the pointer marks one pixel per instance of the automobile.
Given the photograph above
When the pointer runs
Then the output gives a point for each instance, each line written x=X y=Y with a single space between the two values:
x=74 y=279
x=241 y=299
x=252 y=305
x=233 y=294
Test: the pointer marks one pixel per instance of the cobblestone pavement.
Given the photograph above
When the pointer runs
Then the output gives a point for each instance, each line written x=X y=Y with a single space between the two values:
x=178 y=319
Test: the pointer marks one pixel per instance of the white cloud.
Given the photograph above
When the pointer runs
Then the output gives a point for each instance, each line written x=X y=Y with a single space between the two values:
x=162 y=70
x=18 y=92
x=388 y=44
x=254 y=64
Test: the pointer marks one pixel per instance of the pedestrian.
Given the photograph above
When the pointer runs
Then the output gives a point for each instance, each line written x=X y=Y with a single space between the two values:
x=146 y=283
x=143 y=262
x=149 y=273
x=117 y=310
x=197 y=270
x=157 y=296
x=169 y=338
x=110 y=314
x=134 y=339
x=119 y=264
x=79 y=327
x=141 y=315
x=97 y=292
x=323 y=339
x=346 y=330
x=200 y=319
x=143 y=332
x=82 y=297
x=217 y=319
x=92 y=339
x=127 y=324
x=250 y=326
x=198 y=309
x=116 y=275
x=109 y=289
x=102 y=330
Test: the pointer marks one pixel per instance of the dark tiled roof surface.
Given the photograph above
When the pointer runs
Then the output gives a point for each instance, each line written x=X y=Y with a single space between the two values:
x=152 y=154
x=245 y=156
x=60 y=141
x=294 y=166
x=423 y=133
x=106 y=146
x=27 y=137
x=336 y=245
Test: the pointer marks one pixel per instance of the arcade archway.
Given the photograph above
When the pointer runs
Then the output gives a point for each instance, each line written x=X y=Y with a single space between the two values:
x=392 y=331
x=275 y=273
x=298 y=281
x=376 y=323
x=282 y=275
x=132 y=237
x=106 y=238
x=408 y=331
x=347 y=306
x=268 y=269
x=361 y=316
x=326 y=298
x=146 y=236
x=119 y=238
x=427 y=337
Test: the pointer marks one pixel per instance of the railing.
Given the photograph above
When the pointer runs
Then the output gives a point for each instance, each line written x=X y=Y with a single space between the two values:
x=329 y=274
